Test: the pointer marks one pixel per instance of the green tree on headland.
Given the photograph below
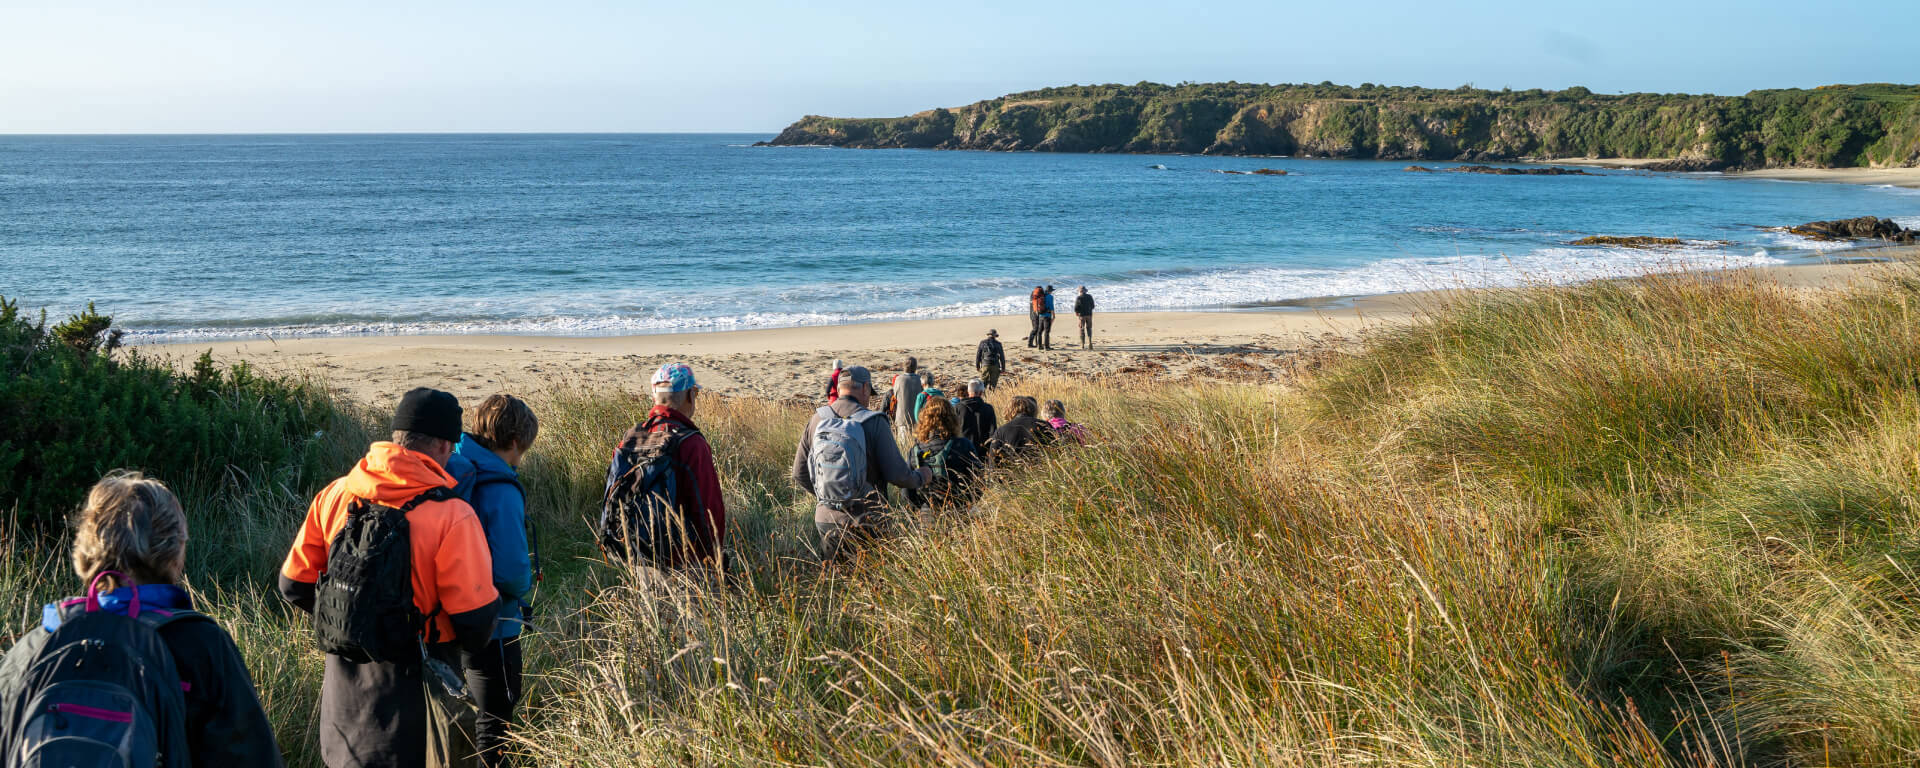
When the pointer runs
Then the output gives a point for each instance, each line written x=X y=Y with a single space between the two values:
x=1831 y=126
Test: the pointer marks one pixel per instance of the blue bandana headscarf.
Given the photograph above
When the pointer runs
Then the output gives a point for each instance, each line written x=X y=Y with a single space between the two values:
x=163 y=597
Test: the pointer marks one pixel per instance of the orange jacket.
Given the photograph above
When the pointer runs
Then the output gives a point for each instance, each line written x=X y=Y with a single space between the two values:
x=1039 y=300
x=452 y=567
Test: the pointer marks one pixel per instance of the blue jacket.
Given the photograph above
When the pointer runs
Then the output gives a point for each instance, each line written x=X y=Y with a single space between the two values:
x=493 y=488
x=1049 y=304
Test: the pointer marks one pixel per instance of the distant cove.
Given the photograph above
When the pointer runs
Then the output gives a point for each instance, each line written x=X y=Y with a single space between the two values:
x=1827 y=127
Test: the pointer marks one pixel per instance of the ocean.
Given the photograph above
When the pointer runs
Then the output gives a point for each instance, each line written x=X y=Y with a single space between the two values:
x=206 y=237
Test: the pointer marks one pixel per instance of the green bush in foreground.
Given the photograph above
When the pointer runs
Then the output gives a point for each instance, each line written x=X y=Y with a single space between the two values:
x=1666 y=522
x=71 y=408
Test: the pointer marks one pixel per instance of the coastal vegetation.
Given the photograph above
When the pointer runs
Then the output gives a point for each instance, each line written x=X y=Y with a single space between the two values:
x=1831 y=126
x=1666 y=521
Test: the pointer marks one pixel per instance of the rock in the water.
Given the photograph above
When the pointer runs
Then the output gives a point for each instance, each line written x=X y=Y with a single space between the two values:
x=1631 y=241
x=1861 y=228
x=1418 y=169
x=1269 y=172
x=1499 y=171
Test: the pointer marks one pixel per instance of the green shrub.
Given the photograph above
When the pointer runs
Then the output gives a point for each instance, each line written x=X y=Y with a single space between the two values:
x=72 y=407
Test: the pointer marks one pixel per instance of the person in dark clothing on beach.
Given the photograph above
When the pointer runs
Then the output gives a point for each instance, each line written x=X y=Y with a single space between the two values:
x=1036 y=303
x=129 y=547
x=1083 y=309
x=1022 y=436
x=977 y=419
x=1046 y=319
x=991 y=358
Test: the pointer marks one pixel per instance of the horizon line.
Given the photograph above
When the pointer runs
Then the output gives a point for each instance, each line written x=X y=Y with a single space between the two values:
x=26 y=134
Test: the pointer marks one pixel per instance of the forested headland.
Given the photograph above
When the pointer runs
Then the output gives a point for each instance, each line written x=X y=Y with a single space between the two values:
x=1826 y=127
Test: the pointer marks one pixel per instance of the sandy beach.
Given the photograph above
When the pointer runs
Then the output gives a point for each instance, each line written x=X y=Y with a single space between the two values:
x=790 y=363
x=1896 y=177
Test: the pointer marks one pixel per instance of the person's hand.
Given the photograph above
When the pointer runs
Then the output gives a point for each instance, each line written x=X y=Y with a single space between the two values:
x=926 y=475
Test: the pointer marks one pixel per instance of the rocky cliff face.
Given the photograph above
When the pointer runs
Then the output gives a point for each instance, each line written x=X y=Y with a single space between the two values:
x=1875 y=125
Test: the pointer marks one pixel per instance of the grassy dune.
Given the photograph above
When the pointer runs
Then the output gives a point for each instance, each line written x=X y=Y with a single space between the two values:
x=1663 y=522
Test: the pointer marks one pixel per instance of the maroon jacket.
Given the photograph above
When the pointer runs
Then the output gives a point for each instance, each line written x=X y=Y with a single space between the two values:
x=702 y=484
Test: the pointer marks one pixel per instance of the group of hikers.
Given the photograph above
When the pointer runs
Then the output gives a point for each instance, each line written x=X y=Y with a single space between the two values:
x=418 y=566
x=1040 y=311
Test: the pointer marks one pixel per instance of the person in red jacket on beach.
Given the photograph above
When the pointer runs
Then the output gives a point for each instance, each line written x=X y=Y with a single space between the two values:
x=703 y=507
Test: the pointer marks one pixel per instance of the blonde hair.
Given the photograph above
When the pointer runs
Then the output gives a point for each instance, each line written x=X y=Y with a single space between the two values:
x=131 y=524
x=503 y=421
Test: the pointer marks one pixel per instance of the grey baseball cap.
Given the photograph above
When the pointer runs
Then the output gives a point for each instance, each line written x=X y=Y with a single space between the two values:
x=857 y=374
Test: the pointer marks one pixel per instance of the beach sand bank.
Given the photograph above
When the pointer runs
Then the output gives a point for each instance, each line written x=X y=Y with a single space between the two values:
x=1897 y=177
x=1270 y=345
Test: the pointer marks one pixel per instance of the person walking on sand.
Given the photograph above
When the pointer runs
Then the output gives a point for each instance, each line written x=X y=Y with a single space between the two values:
x=905 y=391
x=976 y=416
x=373 y=699
x=681 y=525
x=504 y=429
x=195 y=702
x=1083 y=309
x=991 y=358
x=1036 y=303
x=833 y=381
x=846 y=459
x=1046 y=319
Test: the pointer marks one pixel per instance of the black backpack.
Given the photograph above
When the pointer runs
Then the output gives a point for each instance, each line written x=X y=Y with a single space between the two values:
x=941 y=456
x=102 y=690
x=643 y=519
x=363 y=608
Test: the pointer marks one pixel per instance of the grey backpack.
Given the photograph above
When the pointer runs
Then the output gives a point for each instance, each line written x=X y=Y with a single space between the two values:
x=102 y=690
x=838 y=460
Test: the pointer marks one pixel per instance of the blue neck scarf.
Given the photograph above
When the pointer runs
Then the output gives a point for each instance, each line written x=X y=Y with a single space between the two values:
x=163 y=597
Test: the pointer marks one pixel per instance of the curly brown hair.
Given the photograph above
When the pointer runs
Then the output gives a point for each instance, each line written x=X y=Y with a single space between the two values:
x=937 y=421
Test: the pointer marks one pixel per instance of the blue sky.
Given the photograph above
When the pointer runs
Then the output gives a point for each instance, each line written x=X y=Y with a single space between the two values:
x=577 y=65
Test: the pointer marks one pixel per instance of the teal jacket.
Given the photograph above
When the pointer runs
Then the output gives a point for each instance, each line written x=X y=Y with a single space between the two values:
x=493 y=488
x=920 y=401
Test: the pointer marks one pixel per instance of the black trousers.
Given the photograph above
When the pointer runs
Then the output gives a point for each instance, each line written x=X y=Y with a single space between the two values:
x=493 y=676
x=1033 y=337
x=1046 y=331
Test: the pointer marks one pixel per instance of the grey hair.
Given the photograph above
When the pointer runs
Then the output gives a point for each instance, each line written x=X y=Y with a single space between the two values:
x=418 y=441
x=976 y=388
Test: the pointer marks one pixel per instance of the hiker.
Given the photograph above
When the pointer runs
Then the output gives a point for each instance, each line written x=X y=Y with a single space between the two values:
x=664 y=507
x=953 y=461
x=991 y=359
x=900 y=399
x=1056 y=417
x=846 y=460
x=504 y=429
x=1083 y=309
x=833 y=381
x=930 y=391
x=977 y=419
x=1046 y=319
x=168 y=687
x=1036 y=303
x=1022 y=435
x=373 y=703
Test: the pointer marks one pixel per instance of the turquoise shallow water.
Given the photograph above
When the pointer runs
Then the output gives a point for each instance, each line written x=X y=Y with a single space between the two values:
x=218 y=236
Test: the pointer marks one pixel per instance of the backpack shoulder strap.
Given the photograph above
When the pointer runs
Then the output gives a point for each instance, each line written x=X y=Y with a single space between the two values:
x=438 y=493
x=158 y=619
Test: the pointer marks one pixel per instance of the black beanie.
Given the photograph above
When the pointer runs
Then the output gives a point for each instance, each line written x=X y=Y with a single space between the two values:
x=430 y=412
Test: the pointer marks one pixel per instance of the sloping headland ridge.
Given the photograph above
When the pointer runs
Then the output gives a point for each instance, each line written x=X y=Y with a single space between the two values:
x=1837 y=126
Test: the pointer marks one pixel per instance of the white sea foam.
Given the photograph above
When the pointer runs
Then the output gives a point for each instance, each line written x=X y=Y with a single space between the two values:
x=1166 y=290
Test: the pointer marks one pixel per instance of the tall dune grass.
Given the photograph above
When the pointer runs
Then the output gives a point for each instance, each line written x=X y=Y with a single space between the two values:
x=1658 y=522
